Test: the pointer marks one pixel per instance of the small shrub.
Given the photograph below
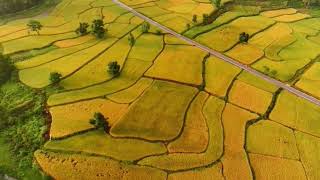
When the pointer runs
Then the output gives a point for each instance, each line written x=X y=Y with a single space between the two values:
x=194 y=18
x=82 y=29
x=145 y=27
x=99 y=122
x=55 y=77
x=98 y=28
x=158 y=32
x=113 y=68
x=205 y=19
x=131 y=39
x=188 y=26
x=244 y=37
x=34 y=25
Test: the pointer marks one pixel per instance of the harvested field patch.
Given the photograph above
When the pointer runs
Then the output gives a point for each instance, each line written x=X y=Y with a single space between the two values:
x=269 y=138
x=194 y=137
x=101 y=143
x=298 y=114
x=164 y=102
x=174 y=62
x=72 y=118
x=268 y=168
x=183 y=161
x=219 y=76
x=63 y=166
x=250 y=97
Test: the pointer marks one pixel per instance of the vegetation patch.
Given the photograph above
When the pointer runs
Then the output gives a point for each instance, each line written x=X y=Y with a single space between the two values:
x=245 y=53
x=310 y=80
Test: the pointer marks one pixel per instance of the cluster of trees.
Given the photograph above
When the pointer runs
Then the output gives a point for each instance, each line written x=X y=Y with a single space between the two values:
x=12 y=6
x=5 y=69
x=97 y=28
x=100 y=122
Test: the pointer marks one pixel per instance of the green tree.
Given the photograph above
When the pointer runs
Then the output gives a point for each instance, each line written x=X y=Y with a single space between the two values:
x=55 y=77
x=98 y=28
x=145 y=27
x=194 y=18
x=205 y=19
x=131 y=39
x=216 y=3
x=100 y=122
x=188 y=26
x=114 y=68
x=5 y=68
x=82 y=29
x=34 y=25
x=244 y=37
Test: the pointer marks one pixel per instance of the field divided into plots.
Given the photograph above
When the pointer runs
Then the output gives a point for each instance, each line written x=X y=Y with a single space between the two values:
x=174 y=112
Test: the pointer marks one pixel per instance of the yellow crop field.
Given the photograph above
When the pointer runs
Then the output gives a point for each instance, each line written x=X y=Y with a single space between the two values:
x=174 y=62
x=214 y=172
x=170 y=39
x=298 y=114
x=132 y=93
x=182 y=161
x=250 y=97
x=309 y=153
x=194 y=137
x=64 y=66
x=146 y=47
x=73 y=167
x=267 y=168
x=234 y=160
x=96 y=71
x=14 y=36
x=131 y=73
x=279 y=12
x=71 y=118
x=178 y=23
x=226 y=36
x=310 y=80
x=98 y=142
x=111 y=13
x=118 y=30
x=142 y=119
x=292 y=17
x=269 y=138
x=31 y=42
x=245 y=53
x=219 y=76
x=73 y=42
x=257 y=82
x=52 y=55
x=273 y=50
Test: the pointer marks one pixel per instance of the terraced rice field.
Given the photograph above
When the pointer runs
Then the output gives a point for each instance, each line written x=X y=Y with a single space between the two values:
x=174 y=111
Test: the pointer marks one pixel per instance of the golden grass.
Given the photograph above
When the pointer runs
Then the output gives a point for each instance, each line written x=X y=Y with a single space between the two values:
x=234 y=160
x=265 y=38
x=32 y=42
x=64 y=66
x=310 y=80
x=269 y=168
x=146 y=47
x=183 y=161
x=119 y=29
x=309 y=153
x=226 y=36
x=170 y=39
x=245 y=53
x=158 y=114
x=292 y=17
x=153 y=11
x=52 y=55
x=91 y=14
x=178 y=23
x=132 y=93
x=74 y=167
x=269 y=138
x=111 y=13
x=250 y=97
x=255 y=81
x=219 y=76
x=272 y=51
x=14 y=35
x=210 y=173
x=72 y=118
x=194 y=137
x=97 y=70
x=298 y=114
x=279 y=12
x=73 y=42
x=131 y=72
x=179 y=63
x=101 y=143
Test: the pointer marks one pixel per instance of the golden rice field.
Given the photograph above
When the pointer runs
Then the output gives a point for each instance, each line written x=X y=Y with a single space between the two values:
x=174 y=112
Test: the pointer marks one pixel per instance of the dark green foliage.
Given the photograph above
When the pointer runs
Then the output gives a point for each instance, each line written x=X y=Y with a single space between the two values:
x=99 y=122
x=145 y=27
x=114 y=68
x=131 y=39
x=188 y=26
x=34 y=25
x=244 y=37
x=216 y=3
x=12 y=6
x=5 y=69
x=98 y=28
x=82 y=29
x=205 y=19
x=55 y=77
x=194 y=18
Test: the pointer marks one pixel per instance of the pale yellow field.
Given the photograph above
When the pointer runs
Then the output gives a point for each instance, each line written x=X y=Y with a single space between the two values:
x=73 y=42
x=274 y=13
x=72 y=118
x=291 y=18
x=245 y=53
